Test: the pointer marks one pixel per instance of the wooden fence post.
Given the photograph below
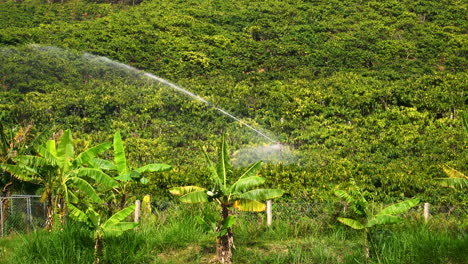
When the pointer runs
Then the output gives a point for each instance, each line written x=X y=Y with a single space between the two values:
x=269 y=212
x=137 y=210
x=426 y=212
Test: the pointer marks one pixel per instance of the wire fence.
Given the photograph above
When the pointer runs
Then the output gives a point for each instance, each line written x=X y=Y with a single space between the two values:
x=21 y=214
x=25 y=213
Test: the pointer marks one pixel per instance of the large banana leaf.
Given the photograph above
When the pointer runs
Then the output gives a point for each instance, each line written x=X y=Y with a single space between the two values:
x=154 y=167
x=245 y=184
x=344 y=195
x=249 y=205
x=89 y=154
x=384 y=220
x=51 y=148
x=103 y=164
x=33 y=162
x=48 y=152
x=77 y=214
x=118 y=217
x=261 y=194
x=118 y=229
x=94 y=217
x=185 y=189
x=119 y=154
x=217 y=181
x=72 y=198
x=65 y=149
x=86 y=188
x=99 y=176
x=128 y=176
x=351 y=223
x=453 y=173
x=224 y=167
x=455 y=180
x=195 y=197
x=455 y=183
x=22 y=173
x=399 y=208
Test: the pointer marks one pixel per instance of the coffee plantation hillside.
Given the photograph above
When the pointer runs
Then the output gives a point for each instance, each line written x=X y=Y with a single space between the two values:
x=372 y=90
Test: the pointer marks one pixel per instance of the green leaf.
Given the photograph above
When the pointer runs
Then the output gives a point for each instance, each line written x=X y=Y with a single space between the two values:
x=88 y=155
x=217 y=181
x=154 y=167
x=103 y=164
x=229 y=221
x=47 y=153
x=65 y=150
x=77 y=214
x=98 y=176
x=224 y=167
x=344 y=195
x=118 y=217
x=261 y=194
x=455 y=180
x=94 y=217
x=72 y=198
x=399 y=208
x=195 y=197
x=455 y=183
x=128 y=176
x=33 y=162
x=351 y=223
x=86 y=188
x=22 y=173
x=50 y=147
x=246 y=183
x=383 y=220
x=119 y=228
x=144 y=180
x=119 y=154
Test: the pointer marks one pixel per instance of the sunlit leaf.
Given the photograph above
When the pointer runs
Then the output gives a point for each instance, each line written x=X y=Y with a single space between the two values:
x=154 y=167
x=247 y=184
x=98 y=176
x=119 y=154
x=90 y=154
x=119 y=216
x=261 y=194
x=249 y=205
x=399 y=208
x=351 y=223
x=87 y=189
x=185 y=189
x=195 y=197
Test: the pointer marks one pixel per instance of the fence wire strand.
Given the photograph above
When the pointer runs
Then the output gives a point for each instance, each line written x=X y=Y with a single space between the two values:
x=21 y=214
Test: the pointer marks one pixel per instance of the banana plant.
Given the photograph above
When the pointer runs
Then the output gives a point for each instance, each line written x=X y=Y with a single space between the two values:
x=63 y=175
x=13 y=142
x=113 y=226
x=124 y=174
x=367 y=219
x=229 y=193
x=455 y=179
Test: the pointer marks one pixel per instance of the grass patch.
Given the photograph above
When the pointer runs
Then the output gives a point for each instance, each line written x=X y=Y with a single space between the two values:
x=175 y=237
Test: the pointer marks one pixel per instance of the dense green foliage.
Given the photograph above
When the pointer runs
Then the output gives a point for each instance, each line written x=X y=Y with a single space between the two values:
x=374 y=90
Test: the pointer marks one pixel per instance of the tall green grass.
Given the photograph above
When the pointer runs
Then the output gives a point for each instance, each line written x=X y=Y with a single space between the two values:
x=421 y=243
x=175 y=236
